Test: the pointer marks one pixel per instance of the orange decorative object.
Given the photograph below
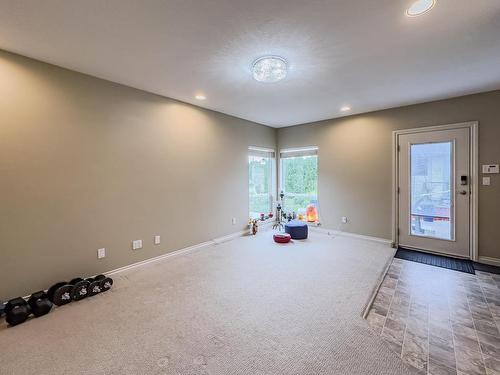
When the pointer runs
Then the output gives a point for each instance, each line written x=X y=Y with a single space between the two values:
x=312 y=213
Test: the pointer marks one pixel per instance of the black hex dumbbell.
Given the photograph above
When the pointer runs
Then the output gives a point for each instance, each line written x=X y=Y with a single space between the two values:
x=17 y=311
x=39 y=303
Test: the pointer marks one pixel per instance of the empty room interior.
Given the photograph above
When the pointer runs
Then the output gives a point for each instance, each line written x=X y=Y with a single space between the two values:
x=227 y=187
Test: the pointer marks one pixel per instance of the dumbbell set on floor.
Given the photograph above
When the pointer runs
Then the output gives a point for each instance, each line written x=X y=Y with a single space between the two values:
x=18 y=310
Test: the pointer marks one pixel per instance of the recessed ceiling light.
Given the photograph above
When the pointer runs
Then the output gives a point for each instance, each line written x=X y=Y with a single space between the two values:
x=345 y=108
x=420 y=7
x=200 y=97
x=269 y=69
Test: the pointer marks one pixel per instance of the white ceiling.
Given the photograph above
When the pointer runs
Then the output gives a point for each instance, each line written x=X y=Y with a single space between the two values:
x=362 y=53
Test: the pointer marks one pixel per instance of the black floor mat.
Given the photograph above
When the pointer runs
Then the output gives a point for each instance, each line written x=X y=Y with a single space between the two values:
x=486 y=268
x=462 y=265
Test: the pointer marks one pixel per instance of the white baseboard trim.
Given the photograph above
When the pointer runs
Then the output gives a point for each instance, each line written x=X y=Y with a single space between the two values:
x=490 y=261
x=231 y=236
x=262 y=227
x=332 y=232
x=175 y=253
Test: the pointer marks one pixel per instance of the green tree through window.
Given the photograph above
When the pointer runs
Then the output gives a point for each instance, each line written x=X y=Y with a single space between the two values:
x=299 y=181
x=260 y=182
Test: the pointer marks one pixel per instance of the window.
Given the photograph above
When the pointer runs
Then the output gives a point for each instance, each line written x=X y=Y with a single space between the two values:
x=431 y=190
x=299 y=179
x=261 y=181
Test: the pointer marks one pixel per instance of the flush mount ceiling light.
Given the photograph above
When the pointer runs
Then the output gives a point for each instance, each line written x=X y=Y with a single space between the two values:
x=269 y=69
x=420 y=7
x=345 y=108
x=200 y=97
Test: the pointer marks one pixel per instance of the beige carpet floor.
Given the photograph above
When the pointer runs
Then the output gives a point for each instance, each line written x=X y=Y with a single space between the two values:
x=247 y=306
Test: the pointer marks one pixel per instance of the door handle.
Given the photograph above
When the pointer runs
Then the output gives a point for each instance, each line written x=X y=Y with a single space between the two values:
x=462 y=192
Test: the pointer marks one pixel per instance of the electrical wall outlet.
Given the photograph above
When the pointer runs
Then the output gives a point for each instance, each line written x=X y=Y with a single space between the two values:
x=101 y=253
x=136 y=244
x=344 y=219
x=486 y=181
x=233 y=221
x=157 y=240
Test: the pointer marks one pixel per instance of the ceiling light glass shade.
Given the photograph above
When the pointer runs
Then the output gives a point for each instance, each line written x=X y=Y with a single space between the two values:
x=269 y=69
x=420 y=7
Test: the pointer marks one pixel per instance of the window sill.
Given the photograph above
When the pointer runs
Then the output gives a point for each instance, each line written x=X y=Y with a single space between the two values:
x=273 y=220
x=259 y=222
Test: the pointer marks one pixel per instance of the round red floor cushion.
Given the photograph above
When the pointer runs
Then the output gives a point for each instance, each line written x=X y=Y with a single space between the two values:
x=281 y=237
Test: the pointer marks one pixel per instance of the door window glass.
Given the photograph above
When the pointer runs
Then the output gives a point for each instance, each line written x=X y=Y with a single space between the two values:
x=431 y=204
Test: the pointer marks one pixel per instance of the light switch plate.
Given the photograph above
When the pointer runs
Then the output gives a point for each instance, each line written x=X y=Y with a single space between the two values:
x=157 y=240
x=101 y=253
x=136 y=244
x=491 y=168
x=486 y=181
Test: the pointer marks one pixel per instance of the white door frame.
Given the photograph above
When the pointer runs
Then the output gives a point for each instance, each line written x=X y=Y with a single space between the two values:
x=473 y=127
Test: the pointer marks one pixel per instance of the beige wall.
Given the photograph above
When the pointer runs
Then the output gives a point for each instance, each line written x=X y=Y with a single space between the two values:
x=355 y=162
x=85 y=163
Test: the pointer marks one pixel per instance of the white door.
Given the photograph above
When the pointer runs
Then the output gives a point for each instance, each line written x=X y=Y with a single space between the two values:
x=434 y=191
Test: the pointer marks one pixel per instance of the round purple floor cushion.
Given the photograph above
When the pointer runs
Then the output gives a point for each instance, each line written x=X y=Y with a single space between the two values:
x=296 y=229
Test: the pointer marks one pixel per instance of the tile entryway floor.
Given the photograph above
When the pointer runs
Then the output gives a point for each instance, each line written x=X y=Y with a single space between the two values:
x=440 y=321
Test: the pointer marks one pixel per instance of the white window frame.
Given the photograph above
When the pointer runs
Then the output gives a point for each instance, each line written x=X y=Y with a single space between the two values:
x=297 y=151
x=255 y=150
